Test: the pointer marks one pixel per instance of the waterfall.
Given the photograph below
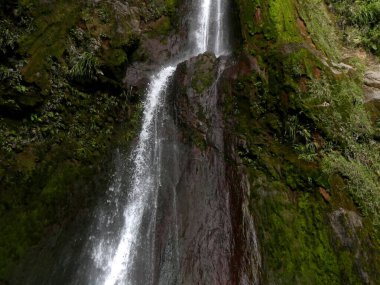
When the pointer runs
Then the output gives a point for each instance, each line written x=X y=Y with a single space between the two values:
x=174 y=213
x=144 y=181
x=116 y=256
x=204 y=26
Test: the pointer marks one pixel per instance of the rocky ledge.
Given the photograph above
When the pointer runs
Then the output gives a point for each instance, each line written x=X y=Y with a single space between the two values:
x=372 y=83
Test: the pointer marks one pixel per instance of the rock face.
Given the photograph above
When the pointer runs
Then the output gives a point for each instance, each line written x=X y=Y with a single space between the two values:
x=347 y=226
x=372 y=84
x=372 y=78
x=216 y=242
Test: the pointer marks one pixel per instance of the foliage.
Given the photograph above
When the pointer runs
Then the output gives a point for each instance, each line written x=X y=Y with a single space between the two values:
x=320 y=27
x=308 y=145
x=363 y=179
x=337 y=108
x=8 y=38
x=360 y=21
x=86 y=67
x=13 y=78
x=300 y=251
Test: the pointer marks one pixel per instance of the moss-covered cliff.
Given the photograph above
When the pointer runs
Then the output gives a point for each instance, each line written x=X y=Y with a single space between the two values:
x=309 y=146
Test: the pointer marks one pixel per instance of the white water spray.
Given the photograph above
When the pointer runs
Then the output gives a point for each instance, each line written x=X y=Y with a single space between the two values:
x=202 y=34
x=218 y=38
x=143 y=183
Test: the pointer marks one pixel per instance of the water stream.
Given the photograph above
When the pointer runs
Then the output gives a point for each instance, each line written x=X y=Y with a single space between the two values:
x=118 y=258
x=145 y=182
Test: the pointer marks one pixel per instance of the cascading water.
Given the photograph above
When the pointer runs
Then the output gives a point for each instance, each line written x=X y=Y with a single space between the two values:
x=117 y=260
x=145 y=182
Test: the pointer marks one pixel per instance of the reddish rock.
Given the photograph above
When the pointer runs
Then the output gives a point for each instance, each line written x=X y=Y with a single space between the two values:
x=326 y=196
x=258 y=18
x=317 y=73
x=303 y=84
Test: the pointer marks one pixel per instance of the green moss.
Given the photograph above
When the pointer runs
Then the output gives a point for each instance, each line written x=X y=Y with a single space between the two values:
x=161 y=27
x=23 y=226
x=300 y=62
x=363 y=179
x=115 y=59
x=26 y=161
x=52 y=23
x=45 y=187
x=282 y=14
x=268 y=23
x=201 y=82
x=344 y=116
x=293 y=219
x=294 y=235
x=171 y=5
x=55 y=185
x=288 y=136
x=358 y=20
x=204 y=75
x=320 y=29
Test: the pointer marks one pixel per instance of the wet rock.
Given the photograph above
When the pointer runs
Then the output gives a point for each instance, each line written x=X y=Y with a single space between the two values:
x=136 y=76
x=345 y=225
x=217 y=238
x=153 y=52
x=205 y=248
x=371 y=93
x=342 y=66
x=372 y=78
x=372 y=84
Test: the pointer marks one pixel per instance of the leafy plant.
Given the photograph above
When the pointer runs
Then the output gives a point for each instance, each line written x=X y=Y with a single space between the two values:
x=337 y=108
x=363 y=181
x=360 y=19
x=8 y=37
x=86 y=68
x=292 y=126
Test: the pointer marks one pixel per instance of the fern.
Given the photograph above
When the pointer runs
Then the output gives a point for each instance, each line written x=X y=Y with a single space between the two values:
x=86 y=68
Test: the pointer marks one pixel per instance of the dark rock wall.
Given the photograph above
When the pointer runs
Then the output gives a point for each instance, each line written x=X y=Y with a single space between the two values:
x=217 y=243
x=203 y=192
